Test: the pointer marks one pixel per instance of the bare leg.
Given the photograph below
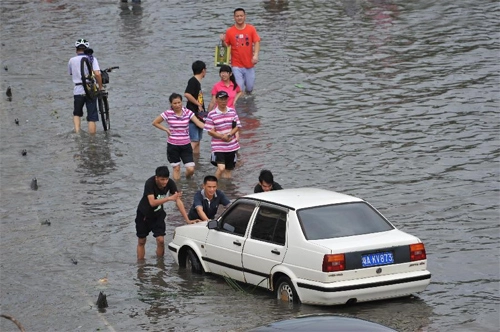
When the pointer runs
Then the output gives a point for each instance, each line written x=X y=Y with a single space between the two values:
x=177 y=172
x=92 y=127
x=189 y=171
x=220 y=170
x=226 y=174
x=77 y=122
x=141 y=248
x=160 y=246
x=196 y=147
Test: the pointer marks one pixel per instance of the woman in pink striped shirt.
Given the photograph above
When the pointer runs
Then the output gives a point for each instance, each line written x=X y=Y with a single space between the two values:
x=178 y=143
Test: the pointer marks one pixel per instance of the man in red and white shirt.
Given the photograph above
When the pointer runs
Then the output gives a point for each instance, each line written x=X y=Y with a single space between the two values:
x=222 y=124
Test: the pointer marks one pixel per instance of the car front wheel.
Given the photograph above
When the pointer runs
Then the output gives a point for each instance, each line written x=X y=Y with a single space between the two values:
x=192 y=262
x=285 y=291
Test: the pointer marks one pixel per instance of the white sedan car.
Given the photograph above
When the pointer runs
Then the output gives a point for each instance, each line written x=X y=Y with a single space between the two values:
x=307 y=245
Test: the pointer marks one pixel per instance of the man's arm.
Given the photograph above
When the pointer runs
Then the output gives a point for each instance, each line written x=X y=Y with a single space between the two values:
x=191 y=98
x=98 y=77
x=201 y=213
x=224 y=200
x=182 y=210
x=223 y=39
x=256 y=50
x=157 y=202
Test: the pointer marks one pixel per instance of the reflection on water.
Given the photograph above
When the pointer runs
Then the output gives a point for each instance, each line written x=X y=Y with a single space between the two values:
x=275 y=6
x=131 y=17
x=155 y=291
x=94 y=156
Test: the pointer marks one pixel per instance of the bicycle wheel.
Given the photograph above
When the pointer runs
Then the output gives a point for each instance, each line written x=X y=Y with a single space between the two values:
x=107 y=126
x=100 y=107
x=88 y=78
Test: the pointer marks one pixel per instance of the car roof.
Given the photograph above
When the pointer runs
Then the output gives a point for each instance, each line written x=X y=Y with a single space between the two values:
x=298 y=198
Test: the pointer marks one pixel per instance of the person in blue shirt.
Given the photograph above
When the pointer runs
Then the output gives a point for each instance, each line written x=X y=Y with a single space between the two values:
x=206 y=201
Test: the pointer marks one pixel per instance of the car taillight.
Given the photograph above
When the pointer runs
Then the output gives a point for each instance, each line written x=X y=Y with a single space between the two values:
x=417 y=252
x=332 y=263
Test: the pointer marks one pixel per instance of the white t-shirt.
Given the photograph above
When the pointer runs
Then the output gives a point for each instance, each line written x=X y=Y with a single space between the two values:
x=74 y=70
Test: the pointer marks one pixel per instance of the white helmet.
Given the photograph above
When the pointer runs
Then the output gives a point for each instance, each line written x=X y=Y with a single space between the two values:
x=82 y=42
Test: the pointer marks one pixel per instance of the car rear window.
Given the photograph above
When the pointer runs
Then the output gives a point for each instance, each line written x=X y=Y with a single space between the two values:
x=341 y=220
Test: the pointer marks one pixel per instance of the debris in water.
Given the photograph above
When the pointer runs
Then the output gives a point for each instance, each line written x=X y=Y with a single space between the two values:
x=104 y=280
x=101 y=301
x=34 y=184
x=15 y=321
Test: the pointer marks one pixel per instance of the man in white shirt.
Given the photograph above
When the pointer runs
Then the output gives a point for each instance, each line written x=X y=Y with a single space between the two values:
x=80 y=98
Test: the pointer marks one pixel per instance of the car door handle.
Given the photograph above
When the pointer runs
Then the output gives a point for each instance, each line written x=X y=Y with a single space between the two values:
x=274 y=251
x=237 y=243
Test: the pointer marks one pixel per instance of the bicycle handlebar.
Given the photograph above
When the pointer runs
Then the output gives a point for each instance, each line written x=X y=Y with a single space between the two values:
x=110 y=69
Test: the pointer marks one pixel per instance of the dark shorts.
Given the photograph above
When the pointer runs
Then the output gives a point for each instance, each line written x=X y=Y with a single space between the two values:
x=226 y=158
x=176 y=153
x=143 y=225
x=91 y=104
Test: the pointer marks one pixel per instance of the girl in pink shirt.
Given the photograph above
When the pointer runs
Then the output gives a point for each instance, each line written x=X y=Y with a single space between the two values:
x=227 y=83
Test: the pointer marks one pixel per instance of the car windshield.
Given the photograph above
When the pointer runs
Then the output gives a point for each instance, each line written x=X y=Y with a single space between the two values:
x=341 y=220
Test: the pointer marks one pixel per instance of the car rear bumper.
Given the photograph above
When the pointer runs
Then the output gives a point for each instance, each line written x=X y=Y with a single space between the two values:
x=361 y=290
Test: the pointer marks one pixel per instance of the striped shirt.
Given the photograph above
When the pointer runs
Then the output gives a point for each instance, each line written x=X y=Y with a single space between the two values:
x=178 y=125
x=223 y=124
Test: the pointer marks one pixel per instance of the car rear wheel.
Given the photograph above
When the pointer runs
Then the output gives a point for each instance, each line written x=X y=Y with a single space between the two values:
x=285 y=291
x=192 y=262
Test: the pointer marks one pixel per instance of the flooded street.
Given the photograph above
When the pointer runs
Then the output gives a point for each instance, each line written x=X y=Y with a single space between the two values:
x=392 y=101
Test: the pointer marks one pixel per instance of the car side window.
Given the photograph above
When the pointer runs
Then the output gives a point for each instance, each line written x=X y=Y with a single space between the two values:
x=236 y=220
x=270 y=226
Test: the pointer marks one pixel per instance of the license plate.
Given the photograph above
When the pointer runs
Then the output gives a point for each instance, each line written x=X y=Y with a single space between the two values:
x=379 y=258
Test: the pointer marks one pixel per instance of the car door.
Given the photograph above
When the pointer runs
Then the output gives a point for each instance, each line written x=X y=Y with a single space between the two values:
x=224 y=246
x=266 y=245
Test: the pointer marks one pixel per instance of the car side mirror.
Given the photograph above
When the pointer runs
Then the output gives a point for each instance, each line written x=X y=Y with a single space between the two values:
x=213 y=224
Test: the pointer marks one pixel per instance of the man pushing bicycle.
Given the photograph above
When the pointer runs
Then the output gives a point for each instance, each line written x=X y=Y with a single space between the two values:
x=80 y=97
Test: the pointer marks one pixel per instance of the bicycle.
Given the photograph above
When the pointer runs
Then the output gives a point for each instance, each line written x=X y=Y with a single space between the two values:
x=102 y=99
x=89 y=83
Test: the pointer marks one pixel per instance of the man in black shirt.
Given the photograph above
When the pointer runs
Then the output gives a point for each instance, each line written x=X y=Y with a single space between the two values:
x=195 y=102
x=150 y=214
x=266 y=182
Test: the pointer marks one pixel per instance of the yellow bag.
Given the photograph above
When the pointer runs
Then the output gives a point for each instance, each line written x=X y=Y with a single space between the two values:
x=222 y=55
